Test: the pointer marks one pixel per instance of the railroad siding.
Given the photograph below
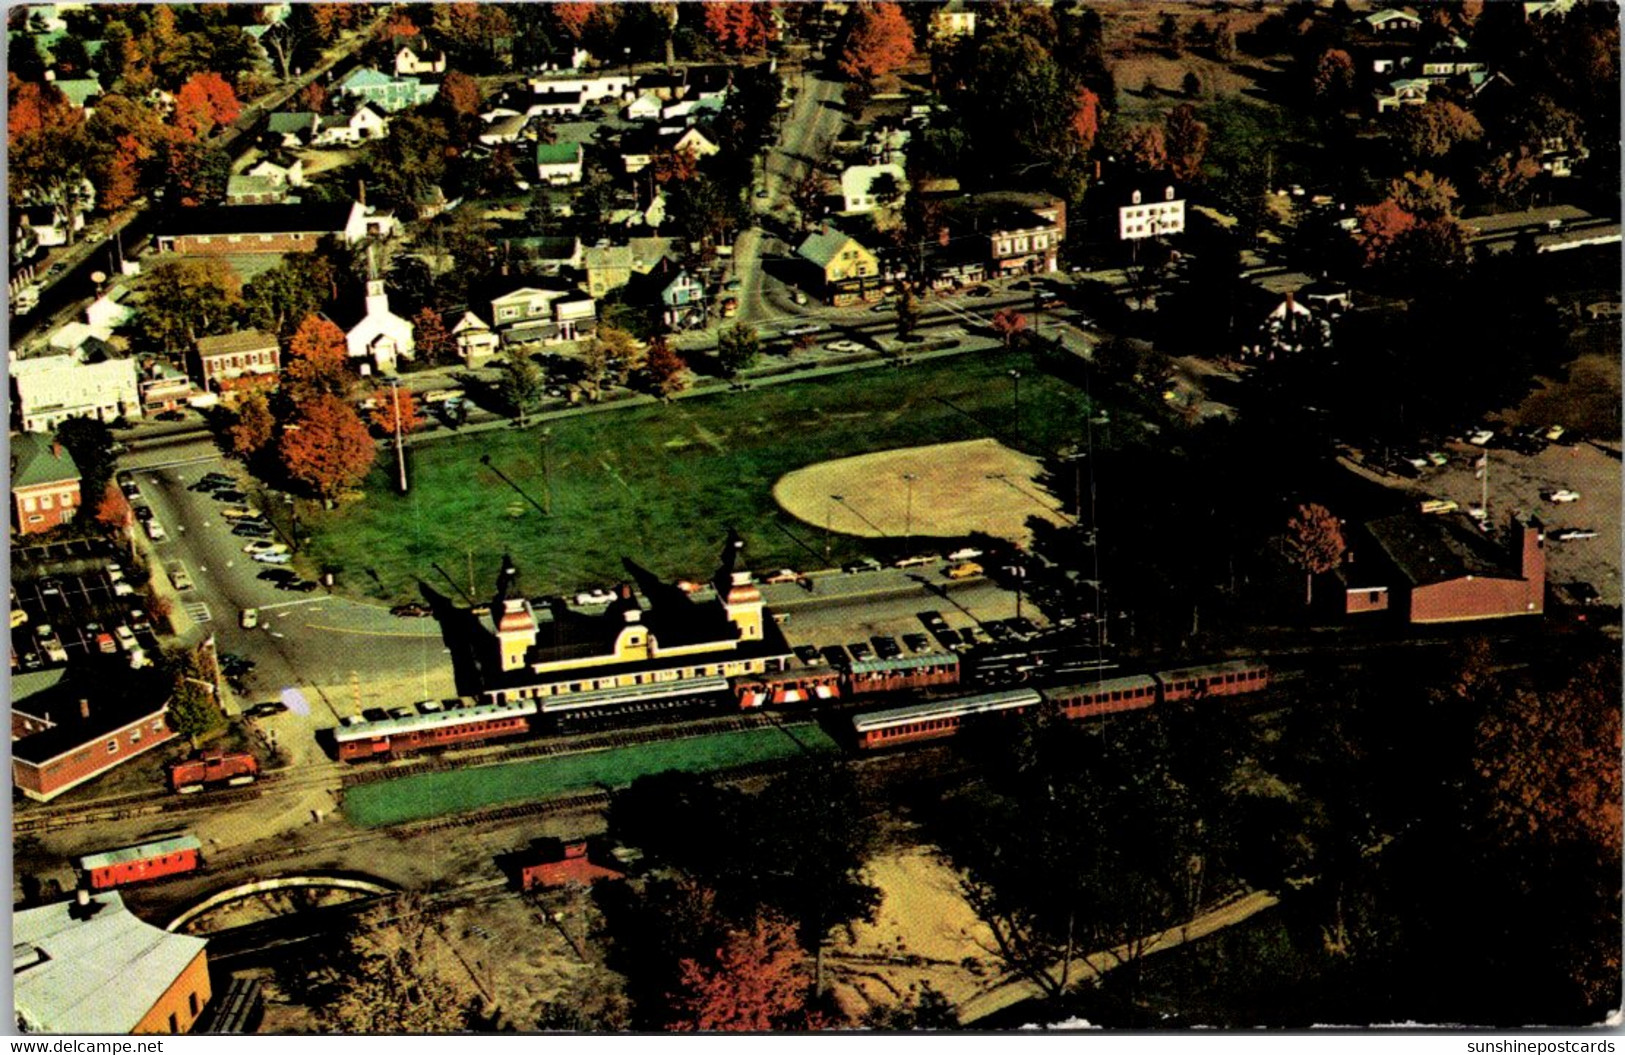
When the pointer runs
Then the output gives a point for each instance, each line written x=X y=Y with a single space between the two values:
x=428 y=795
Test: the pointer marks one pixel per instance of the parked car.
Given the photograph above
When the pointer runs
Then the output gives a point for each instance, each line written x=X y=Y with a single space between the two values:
x=138 y=658
x=240 y=513
x=587 y=597
x=155 y=531
x=297 y=586
x=856 y=566
x=917 y=642
x=273 y=558
x=229 y=496
x=278 y=574
x=139 y=621
x=1574 y=534
x=979 y=291
x=262 y=531
x=1564 y=495
x=967 y=553
x=265 y=546
x=783 y=575
x=267 y=709
x=105 y=643
x=964 y=570
x=126 y=637
x=412 y=610
x=1481 y=437
x=844 y=346
x=860 y=650
x=809 y=655
x=178 y=575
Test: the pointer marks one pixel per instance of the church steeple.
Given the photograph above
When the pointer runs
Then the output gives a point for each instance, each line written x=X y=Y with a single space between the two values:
x=377 y=298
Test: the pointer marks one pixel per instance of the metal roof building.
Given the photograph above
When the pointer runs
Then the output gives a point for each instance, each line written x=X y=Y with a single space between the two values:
x=89 y=966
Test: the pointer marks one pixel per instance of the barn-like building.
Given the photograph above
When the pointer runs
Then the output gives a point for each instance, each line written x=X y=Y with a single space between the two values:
x=1444 y=568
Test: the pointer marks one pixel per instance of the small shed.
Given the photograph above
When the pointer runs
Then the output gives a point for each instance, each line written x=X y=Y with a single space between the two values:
x=559 y=864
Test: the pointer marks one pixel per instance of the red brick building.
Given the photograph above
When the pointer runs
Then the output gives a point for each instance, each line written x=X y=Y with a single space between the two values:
x=1443 y=569
x=59 y=743
x=234 y=363
x=260 y=228
x=44 y=483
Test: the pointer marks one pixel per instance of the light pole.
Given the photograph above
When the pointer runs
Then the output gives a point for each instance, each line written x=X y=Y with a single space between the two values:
x=908 y=513
x=1015 y=401
x=547 y=470
x=400 y=454
x=829 y=516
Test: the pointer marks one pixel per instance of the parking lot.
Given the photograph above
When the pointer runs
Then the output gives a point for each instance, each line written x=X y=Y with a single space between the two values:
x=60 y=617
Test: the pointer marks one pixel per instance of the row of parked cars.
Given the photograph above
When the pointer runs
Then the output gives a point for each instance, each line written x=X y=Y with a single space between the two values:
x=56 y=617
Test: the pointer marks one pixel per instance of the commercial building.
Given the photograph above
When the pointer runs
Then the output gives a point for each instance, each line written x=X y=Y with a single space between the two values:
x=233 y=362
x=279 y=229
x=53 y=388
x=1433 y=568
x=88 y=966
x=60 y=742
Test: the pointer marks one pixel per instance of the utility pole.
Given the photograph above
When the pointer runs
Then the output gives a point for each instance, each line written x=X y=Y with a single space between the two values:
x=829 y=516
x=1015 y=401
x=908 y=514
x=547 y=470
x=400 y=453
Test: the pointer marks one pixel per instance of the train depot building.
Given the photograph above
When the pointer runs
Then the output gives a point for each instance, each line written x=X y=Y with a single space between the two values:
x=88 y=966
x=666 y=639
x=1430 y=568
x=59 y=741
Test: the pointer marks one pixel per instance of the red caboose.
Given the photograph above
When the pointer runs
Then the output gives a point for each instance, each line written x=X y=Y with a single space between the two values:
x=213 y=768
x=563 y=865
x=171 y=855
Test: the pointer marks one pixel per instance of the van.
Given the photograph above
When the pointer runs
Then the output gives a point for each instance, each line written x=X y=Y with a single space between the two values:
x=964 y=570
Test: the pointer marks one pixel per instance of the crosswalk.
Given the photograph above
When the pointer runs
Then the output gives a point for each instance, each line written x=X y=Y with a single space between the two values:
x=199 y=611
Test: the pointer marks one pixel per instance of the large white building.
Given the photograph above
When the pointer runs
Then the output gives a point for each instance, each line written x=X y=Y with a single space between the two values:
x=381 y=335
x=1151 y=215
x=53 y=388
x=858 y=186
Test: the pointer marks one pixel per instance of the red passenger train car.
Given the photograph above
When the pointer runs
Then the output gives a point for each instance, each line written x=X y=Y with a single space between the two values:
x=932 y=721
x=171 y=855
x=1107 y=696
x=922 y=671
x=392 y=737
x=1218 y=679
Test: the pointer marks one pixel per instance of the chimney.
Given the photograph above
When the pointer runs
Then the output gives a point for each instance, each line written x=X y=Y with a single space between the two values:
x=1291 y=303
x=84 y=709
x=56 y=449
x=625 y=590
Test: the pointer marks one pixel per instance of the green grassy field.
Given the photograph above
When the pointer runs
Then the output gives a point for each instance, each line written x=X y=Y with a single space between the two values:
x=662 y=483
x=428 y=795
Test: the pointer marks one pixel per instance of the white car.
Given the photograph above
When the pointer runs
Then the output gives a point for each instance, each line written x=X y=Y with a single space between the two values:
x=1482 y=437
x=845 y=346
x=261 y=545
x=968 y=553
x=240 y=513
x=782 y=575
x=126 y=637
x=274 y=558
x=587 y=597
x=801 y=331
x=155 y=531
x=138 y=659
x=1564 y=495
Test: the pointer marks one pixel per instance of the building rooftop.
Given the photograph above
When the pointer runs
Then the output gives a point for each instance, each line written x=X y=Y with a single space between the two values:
x=60 y=704
x=558 y=153
x=259 y=219
x=37 y=460
x=93 y=968
x=821 y=246
x=1430 y=549
x=235 y=343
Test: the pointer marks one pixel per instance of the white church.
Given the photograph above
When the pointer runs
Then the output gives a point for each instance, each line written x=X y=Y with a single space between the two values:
x=380 y=337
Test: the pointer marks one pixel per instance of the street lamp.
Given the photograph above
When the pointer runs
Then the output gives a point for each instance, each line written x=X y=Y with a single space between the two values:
x=1015 y=400
x=400 y=454
x=908 y=514
x=829 y=515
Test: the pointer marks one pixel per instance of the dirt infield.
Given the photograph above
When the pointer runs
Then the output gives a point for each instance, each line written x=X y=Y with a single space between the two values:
x=958 y=488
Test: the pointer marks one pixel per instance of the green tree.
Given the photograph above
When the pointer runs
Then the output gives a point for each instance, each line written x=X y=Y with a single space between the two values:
x=193 y=710
x=184 y=300
x=521 y=383
x=390 y=981
x=255 y=426
x=90 y=442
x=737 y=348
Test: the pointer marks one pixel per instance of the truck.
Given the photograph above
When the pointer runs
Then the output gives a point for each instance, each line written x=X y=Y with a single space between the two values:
x=213 y=769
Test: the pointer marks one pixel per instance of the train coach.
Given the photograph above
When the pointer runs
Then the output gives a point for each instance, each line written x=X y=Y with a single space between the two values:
x=171 y=855
x=788 y=687
x=929 y=721
x=442 y=727
x=899 y=673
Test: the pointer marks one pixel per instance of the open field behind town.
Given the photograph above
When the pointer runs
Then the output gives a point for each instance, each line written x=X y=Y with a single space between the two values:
x=661 y=484
x=461 y=790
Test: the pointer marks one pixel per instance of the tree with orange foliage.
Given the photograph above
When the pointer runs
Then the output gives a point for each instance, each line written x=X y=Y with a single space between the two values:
x=1086 y=119
x=756 y=982
x=326 y=447
x=663 y=368
x=1007 y=323
x=318 y=361
x=1185 y=138
x=460 y=94
x=741 y=25
x=254 y=426
x=122 y=182
x=113 y=511
x=1380 y=226
x=397 y=27
x=204 y=103
x=575 y=15
x=332 y=19
x=384 y=416
x=313 y=97
x=430 y=336
x=1314 y=542
x=50 y=151
x=671 y=165
x=881 y=42
x=1146 y=148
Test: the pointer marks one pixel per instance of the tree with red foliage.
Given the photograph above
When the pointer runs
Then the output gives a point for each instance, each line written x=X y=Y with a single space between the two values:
x=673 y=165
x=574 y=16
x=460 y=94
x=1380 y=225
x=50 y=151
x=314 y=97
x=318 y=361
x=326 y=447
x=397 y=27
x=1086 y=119
x=663 y=368
x=254 y=426
x=1007 y=323
x=113 y=511
x=1145 y=148
x=430 y=336
x=882 y=42
x=204 y=103
x=756 y=982
x=1333 y=79
x=1185 y=138
x=37 y=107
x=1314 y=542
x=122 y=181
x=741 y=25
x=385 y=400
x=331 y=19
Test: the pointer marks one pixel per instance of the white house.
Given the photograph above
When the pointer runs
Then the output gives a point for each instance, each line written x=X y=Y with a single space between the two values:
x=857 y=186
x=558 y=103
x=1392 y=20
x=381 y=335
x=476 y=342
x=283 y=168
x=558 y=164
x=338 y=130
x=53 y=388
x=411 y=62
x=503 y=129
x=1144 y=216
x=645 y=107
x=593 y=88
x=536 y=314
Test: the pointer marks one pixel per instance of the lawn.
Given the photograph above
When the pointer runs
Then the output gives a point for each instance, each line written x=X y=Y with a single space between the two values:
x=461 y=790
x=662 y=483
